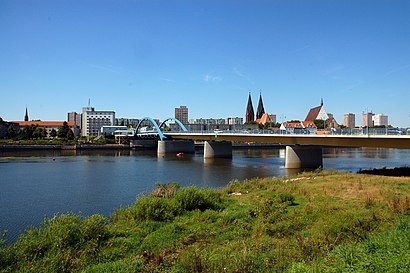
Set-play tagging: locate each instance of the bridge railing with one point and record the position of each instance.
(364, 131)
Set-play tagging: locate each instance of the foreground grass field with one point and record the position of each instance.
(314, 222)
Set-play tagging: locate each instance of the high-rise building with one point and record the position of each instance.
(92, 121)
(261, 110)
(74, 117)
(349, 120)
(380, 120)
(250, 114)
(181, 114)
(367, 119)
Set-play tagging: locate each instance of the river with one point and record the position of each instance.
(41, 184)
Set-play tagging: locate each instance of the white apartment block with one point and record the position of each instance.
(380, 120)
(92, 121)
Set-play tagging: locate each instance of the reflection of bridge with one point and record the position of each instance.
(305, 151)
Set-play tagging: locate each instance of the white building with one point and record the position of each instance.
(380, 120)
(92, 121)
(110, 130)
(234, 121)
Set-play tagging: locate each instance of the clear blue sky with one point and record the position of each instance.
(144, 58)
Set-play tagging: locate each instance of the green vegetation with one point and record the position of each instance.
(315, 222)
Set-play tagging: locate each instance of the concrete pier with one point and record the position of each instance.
(214, 149)
(175, 147)
(299, 157)
(144, 144)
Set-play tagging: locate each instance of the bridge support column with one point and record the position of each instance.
(175, 147)
(299, 157)
(215, 149)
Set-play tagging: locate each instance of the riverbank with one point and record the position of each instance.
(312, 222)
(400, 171)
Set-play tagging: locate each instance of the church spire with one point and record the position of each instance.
(250, 115)
(321, 102)
(261, 109)
(26, 116)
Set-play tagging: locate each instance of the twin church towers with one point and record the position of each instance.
(250, 114)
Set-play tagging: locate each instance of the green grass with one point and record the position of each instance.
(315, 222)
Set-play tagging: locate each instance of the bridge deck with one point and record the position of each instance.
(376, 141)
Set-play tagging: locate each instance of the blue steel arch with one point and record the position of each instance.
(182, 126)
(160, 133)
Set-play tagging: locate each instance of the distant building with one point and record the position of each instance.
(50, 125)
(127, 122)
(234, 121)
(74, 117)
(299, 127)
(209, 121)
(367, 119)
(110, 130)
(319, 113)
(380, 120)
(349, 120)
(181, 114)
(250, 114)
(265, 118)
(272, 118)
(92, 121)
(261, 110)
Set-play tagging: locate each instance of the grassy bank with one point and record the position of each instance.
(315, 222)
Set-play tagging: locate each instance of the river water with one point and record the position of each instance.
(39, 184)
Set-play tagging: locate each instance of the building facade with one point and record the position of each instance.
(349, 120)
(93, 120)
(234, 121)
(380, 120)
(74, 117)
(367, 119)
(181, 114)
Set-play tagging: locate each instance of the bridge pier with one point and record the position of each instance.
(217, 149)
(144, 144)
(300, 157)
(175, 147)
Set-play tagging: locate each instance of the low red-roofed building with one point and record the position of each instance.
(50, 125)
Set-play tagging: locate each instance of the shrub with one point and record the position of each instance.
(192, 198)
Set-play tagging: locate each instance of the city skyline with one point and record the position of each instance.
(143, 58)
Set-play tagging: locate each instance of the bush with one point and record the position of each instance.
(192, 198)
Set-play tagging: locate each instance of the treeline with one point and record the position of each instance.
(12, 131)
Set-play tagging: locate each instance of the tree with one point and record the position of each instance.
(53, 133)
(70, 134)
(11, 132)
(39, 132)
(63, 130)
(320, 123)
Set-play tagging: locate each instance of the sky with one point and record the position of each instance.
(146, 57)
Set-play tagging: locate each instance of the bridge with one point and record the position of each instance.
(303, 150)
